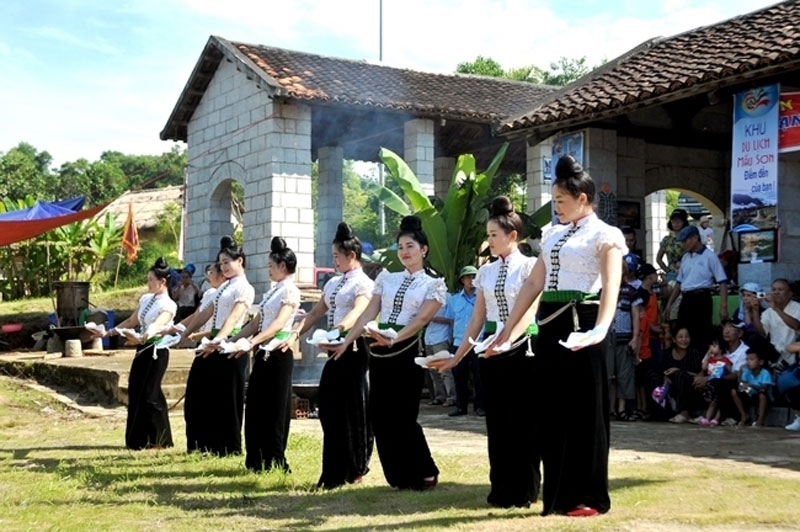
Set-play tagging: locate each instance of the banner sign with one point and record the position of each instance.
(789, 122)
(754, 159)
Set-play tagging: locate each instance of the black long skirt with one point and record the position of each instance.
(268, 411)
(573, 412)
(214, 404)
(394, 396)
(148, 416)
(347, 433)
(511, 427)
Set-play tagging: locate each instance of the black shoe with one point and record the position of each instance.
(457, 412)
(480, 412)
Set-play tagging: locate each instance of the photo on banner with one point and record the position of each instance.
(754, 159)
(570, 144)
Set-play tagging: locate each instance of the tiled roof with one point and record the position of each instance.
(756, 44)
(328, 80)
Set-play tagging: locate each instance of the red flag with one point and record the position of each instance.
(130, 237)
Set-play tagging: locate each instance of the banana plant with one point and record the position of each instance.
(456, 228)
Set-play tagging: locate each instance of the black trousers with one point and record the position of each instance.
(574, 414)
(512, 427)
(461, 374)
(268, 411)
(694, 313)
(347, 434)
(148, 416)
(214, 404)
(394, 396)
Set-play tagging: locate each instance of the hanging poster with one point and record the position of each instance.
(570, 144)
(754, 159)
(789, 125)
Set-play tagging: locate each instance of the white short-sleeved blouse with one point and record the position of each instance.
(421, 288)
(575, 263)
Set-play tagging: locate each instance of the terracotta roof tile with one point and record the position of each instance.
(710, 54)
(307, 76)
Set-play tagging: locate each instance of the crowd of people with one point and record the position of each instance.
(681, 367)
(636, 345)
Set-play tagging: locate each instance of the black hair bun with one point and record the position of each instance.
(278, 244)
(411, 223)
(226, 242)
(161, 264)
(343, 232)
(501, 206)
(568, 167)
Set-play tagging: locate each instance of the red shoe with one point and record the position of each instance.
(429, 483)
(583, 511)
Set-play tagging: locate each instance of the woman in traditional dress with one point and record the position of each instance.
(578, 276)
(148, 416)
(406, 302)
(215, 387)
(506, 377)
(347, 434)
(269, 390)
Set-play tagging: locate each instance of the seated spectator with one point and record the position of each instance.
(751, 300)
(735, 350)
(682, 364)
(755, 385)
(788, 382)
(779, 322)
(715, 366)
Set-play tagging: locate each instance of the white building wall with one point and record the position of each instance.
(238, 133)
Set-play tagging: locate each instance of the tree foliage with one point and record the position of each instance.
(25, 171)
(561, 72)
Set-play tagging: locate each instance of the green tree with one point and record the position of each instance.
(561, 72)
(565, 71)
(25, 171)
(482, 66)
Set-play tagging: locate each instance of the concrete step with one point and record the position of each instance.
(173, 393)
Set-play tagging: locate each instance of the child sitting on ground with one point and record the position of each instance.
(715, 366)
(755, 381)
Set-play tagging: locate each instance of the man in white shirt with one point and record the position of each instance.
(780, 321)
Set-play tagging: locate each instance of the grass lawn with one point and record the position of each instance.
(61, 469)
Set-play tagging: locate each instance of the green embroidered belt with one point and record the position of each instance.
(567, 296)
(491, 328)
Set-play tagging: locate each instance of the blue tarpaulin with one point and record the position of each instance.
(27, 223)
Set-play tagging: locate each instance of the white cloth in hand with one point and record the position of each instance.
(95, 328)
(372, 327)
(321, 336)
(168, 341)
(439, 355)
(580, 340)
(480, 347)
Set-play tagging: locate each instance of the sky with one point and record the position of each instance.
(80, 77)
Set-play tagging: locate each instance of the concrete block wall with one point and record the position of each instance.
(418, 151)
(239, 133)
(330, 198)
(538, 190)
(443, 175)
